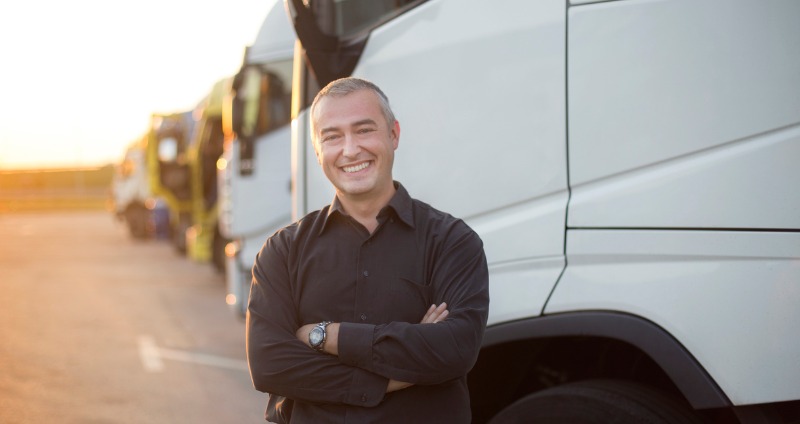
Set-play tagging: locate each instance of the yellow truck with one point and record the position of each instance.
(166, 144)
(184, 149)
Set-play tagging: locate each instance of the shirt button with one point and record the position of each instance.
(363, 317)
(363, 398)
(366, 273)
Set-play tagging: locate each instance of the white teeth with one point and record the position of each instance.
(355, 168)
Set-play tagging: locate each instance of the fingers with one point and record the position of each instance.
(435, 314)
(427, 318)
(442, 316)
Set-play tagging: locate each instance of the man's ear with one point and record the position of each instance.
(395, 134)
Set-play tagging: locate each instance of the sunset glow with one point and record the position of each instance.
(80, 79)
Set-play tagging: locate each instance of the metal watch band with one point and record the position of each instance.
(323, 327)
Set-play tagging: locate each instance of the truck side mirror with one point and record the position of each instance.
(237, 103)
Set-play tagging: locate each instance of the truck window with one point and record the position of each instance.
(334, 32)
(345, 18)
(265, 95)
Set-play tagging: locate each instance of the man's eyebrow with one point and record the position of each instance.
(367, 121)
(328, 129)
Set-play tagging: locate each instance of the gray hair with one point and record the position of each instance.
(344, 86)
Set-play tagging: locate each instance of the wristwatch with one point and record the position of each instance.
(317, 336)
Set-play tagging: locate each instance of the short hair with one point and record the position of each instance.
(344, 86)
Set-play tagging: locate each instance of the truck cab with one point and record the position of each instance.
(130, 190)
(185, 148)
(254, 175)
(168, 168)
(630, 167)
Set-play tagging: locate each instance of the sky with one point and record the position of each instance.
(79, 79)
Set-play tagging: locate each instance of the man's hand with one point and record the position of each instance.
(435, 314)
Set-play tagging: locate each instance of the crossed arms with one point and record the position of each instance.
(362, 361)
(432, 316)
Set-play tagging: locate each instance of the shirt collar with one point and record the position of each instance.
(400, 203)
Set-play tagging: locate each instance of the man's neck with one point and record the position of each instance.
(365, 210)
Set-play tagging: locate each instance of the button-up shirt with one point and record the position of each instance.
(328, 267)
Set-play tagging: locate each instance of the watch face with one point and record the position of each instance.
(315, 337)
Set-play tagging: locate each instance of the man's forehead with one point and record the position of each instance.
(363, 96)
(348, 110)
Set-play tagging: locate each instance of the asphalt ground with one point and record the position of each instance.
(96, 327)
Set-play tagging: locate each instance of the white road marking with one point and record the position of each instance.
(152, 357)
(148, 352)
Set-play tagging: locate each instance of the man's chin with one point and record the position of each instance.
(354, 190)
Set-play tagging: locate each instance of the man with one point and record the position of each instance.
(371, 310)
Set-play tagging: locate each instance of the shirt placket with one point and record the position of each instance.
(366, 296)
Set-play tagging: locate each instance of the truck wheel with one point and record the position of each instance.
(218, 251)
(136, 218)
(179, 236)
(597, 402)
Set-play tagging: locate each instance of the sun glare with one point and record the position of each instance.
(80, 83)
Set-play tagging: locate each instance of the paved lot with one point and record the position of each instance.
(98, 328)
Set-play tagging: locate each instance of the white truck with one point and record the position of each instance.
(254, 174)
(130, 190)
(632, 168)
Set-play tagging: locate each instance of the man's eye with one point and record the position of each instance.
(329, 138)
(365, 130)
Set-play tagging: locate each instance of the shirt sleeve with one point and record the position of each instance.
(281, 364)
(427, 354)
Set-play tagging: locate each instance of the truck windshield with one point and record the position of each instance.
(343, 19)
(334, 32)
(347, 18)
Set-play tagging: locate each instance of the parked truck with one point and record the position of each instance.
(187, 177)
(167, 143)
(255, 175)
(631, 167)
(130, 191)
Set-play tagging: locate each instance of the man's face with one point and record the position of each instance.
(355, 145)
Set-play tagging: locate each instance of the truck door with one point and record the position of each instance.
(479, 90)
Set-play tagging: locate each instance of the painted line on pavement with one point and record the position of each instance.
(148, 352)
(152, 356)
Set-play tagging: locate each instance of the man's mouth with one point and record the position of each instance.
(356, 168)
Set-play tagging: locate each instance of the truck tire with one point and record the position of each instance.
(218, 251)
(179, 235)
(136, 218)
(597, 402)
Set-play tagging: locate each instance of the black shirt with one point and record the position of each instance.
(328, 267)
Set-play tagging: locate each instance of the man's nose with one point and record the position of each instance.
(351, 146)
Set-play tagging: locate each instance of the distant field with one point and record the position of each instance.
(55, 189)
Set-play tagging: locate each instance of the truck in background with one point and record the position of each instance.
(254, 172)
(188, 146)
(204, 241)
(133, 202)
(631, 168)
(167, 142)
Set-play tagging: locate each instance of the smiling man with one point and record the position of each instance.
(371, 310)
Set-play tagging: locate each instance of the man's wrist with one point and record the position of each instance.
(318, 336)
(332, 343)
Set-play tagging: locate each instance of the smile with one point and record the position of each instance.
(355, 168)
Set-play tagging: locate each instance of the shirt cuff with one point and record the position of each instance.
(355, 344)
(367, 390)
